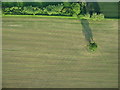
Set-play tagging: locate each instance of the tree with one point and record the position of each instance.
(93, 46)
(76, 8)
(53, 9)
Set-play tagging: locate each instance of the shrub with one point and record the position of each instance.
(92, 46)
(12, 10)
(31, 10)
(81, 16)
(76, 8)
(75, 15)
(96, 16)
(67, 11)
(87, 16)
(101, 16)
(37, 10)
(16, 10)
(72, 9)
(53, 9)
(6, 11)
(58, 8)
(27, 10)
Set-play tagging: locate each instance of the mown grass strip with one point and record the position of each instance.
(68, 17)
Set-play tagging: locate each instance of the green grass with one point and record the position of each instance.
(41, 52)
(46, 16)
(41, 16)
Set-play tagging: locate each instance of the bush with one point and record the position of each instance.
(59, 8)
(28, 10)
(96, 16)
(37, 10)
(87, 16)
(53, 9)
(76, 8)
(16, 10)
(12, 10)
(72, 9)
(6, 11)
(75, 15)
(67, 11)
(31, 10)
(92, 46)
(101, 16)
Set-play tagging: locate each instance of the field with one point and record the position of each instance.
(41, 52)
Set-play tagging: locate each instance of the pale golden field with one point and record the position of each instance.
(40, 52)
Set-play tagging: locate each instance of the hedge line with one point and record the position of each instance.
(50, 8)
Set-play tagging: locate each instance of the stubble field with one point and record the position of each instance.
(41, 52)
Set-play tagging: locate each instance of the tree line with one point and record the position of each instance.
(49, 8)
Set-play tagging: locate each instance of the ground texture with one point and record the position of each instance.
(51, 53)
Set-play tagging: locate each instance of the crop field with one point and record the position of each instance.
(44, 52)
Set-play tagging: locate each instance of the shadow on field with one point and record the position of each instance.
(92, 7)
(86, 30)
